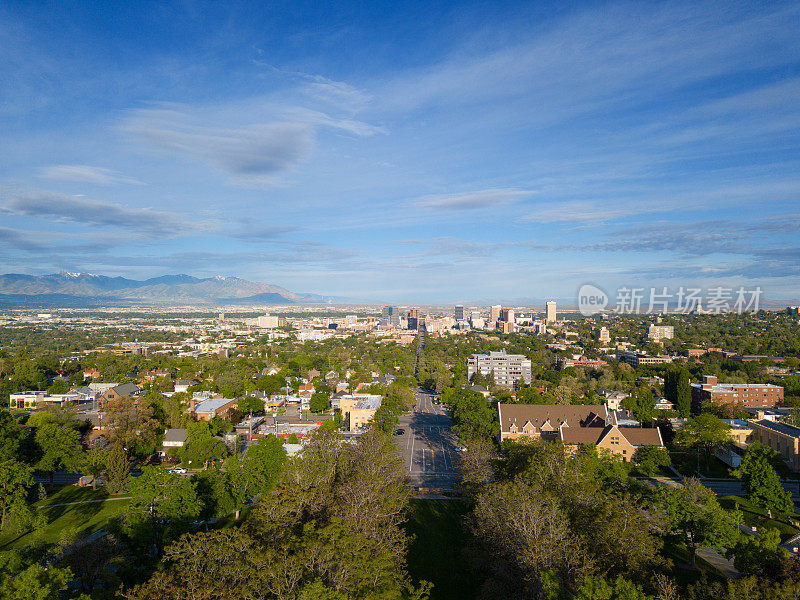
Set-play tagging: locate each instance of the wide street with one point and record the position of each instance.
(428, 445)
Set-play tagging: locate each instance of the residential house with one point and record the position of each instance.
(183, 385)
(613, 398)
(173, 438)
(125, 389)
(91, 374)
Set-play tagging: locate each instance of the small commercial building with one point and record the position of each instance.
(213, 407)
(360, 408)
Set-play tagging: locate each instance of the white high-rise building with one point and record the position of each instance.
(267, 321)
(507, 368)
(661, 332)
(550, 312)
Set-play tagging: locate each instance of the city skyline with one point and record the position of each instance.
(405, 153)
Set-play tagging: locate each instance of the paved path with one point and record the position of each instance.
(719, 562)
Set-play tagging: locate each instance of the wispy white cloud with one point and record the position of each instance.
(86, 174)
(472, 200)
(263, 149)
(76, 209)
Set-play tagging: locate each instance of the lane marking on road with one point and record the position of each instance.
(444, 454)
(430, 446)
(411, 456)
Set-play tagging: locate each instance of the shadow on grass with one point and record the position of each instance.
(437, 552)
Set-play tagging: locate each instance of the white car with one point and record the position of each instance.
(461, 448)
(178, 471)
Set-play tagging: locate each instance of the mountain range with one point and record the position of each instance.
(73, 290)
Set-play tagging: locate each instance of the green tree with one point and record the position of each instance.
(59, 386)
(162, 505)
(320, 401)
(250, 404)
(10, 436)
(678, 390)
(705, 433)
(220, 492)
(94, 464)
(118, 471)
(597, 588)
(695, 517)
(131, 423)
(648, 459)
(37, 583)
(761, 482)
(472, 416)
(59, 447)
(257, 470)
(683, 393)
(202, 446)
(15, 479)
(759, 555)
(642, 404)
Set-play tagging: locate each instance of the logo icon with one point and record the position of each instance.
(591, 300)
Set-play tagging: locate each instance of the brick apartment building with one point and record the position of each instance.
(741, 394)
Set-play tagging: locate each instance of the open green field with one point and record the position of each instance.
(73, 519)
(755, 517)
(437, 553)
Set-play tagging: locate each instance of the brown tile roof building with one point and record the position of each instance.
(534, 420)
(574, 426)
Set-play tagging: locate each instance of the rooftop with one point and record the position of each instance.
(208, 406)
(369, 403)
(783, 428)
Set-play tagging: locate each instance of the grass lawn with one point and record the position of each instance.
(755, 517)
(436, 554)
(81, 519)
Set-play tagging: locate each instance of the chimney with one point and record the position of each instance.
(191, 405)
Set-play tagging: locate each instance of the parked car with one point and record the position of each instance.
(400, 432)
(461, 448)
(178, 471)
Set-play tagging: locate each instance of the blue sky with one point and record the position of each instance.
(406, 152)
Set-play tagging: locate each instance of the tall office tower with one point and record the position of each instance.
(507, 315)
(414, 313)
(459, 313)
(550, 313)
(495, 313)
(390, 315)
